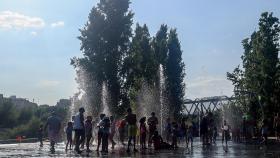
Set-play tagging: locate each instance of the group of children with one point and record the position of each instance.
(106, 131)
(107, 126)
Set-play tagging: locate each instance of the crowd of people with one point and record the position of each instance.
(145, 132)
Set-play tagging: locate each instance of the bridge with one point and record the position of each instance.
(201, 105)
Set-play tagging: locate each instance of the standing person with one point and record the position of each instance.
(53, 125)
(100, 126)
(215, 134)
(152, 122)
(264, 132)
(69, 131)
(175, 132)
(204, 130)
(168, 130)
(88, 131)
(183, 130)
(132, 129)
(225, 134)
(105, 134)
(79, 128)
(122, 131)
(113, 131)
(189, 136)
(143, 132)
(276, 125)
(40, 135)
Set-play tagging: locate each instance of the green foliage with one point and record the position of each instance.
(8, 115)
(160, 45)
(17, 121)
(257, 84)
(104, 43)
(112, 55)
(175, 74)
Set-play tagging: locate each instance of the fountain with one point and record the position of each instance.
(105, 100)
(95, 98)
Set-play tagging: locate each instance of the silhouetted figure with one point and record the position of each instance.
(112, 131)
(88, 131)
(175, 133)
(40, 135)
(204, 130)
(152, 122)
(121, 129)
(189, 137)
(264, 132)
(105, 134)
(225, 134)
(69, 131)
(53, 126)
(215, 134)
(168, 130)
(132, 129)
(143, 132)
(100, 126)
(79, 129)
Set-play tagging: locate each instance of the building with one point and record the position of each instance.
(18, 102)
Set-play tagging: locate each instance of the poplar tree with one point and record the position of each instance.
(175, 73)
(104, 43)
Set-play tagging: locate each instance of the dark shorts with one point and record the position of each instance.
(69, 136)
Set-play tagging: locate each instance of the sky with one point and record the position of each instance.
(39, 37)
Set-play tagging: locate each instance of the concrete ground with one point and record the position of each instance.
(197, 151)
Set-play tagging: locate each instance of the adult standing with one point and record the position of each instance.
(79, 129)
(53, 126)
(225, 134)
(204, 130)
(132, 129)
(152, 122)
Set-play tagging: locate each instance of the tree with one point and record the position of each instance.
(258, 81)
(160, 45)
(104, 43)
(175, 74)
(139, 65)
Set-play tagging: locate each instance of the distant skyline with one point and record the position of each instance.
(38, 38)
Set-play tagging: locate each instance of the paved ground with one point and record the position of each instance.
(233, 150)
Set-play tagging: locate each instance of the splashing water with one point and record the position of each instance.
(105, 100)
(162, 99)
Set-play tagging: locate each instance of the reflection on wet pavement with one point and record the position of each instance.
(197, 151)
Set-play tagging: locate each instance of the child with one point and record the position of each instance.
(113, 131)
(215, 134)
(88, 131)
(264, 131)
(225, 135)
(168, 130)
(174, 135)
(69, 131)
(143, 132)
(189, 137)
(40, 135)
(105, 134)
(121, 129)
(158, 142)
(100, 130)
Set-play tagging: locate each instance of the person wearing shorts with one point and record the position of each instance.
(132, 129)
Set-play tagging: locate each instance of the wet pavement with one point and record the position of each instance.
(197, 151)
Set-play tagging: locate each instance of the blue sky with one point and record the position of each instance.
(38, 38)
